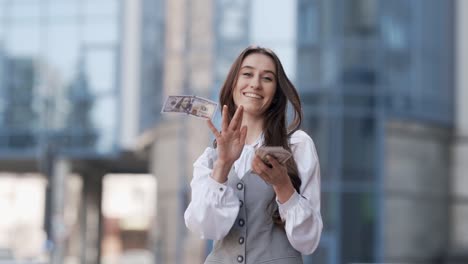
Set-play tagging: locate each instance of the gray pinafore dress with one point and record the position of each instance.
(254, 238)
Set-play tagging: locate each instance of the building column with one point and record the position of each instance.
(459, 182)
(415, 198)
(188, 69)
(91, 218)
(60, 172)
(166, 164)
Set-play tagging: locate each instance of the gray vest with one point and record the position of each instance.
(254, 238)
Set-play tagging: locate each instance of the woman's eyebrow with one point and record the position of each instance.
(252, 68)
(272, 72)
(247, 66)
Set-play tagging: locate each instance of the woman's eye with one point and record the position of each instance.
(247, 74)
(268, 79)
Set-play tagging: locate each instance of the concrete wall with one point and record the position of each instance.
(417, 172)
(179, 140)
(167, 168)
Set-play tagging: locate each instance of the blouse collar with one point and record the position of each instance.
(260, 140)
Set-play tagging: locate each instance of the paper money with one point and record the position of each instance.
(279, 153)
(191, 105)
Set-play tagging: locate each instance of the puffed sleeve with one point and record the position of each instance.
(301, 213)
(214, 206)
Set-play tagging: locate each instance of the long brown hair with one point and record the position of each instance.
(276, 131)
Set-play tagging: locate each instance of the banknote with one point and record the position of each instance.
(279, 153)
(191, 105)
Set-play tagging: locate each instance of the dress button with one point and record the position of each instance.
(241, 203)
(240, 259)
(241, 240)
(241, 222)
(221, 189)
(240, 186)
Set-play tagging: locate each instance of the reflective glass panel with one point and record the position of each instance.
(102, 31)
(3, 12)
(320, 255)
(19, 116)
(100, 69)
(22, 40)
(308, 27)
(63, 51)
(318, 128)
(358, 227)
(309, 68)
(359, 145)
(23, 11)
(80, 129)
(2, 32)
(104, 117)
(59, 9)
(329, 210)
(101, 8)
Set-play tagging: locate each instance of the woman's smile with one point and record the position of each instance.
(253, 95)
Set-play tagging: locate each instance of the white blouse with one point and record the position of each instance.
(214, 206)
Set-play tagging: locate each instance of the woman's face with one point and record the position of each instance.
(256, 84)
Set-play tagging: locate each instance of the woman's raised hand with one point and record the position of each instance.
(231, 139)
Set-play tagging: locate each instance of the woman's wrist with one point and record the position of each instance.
(284, 192)
(221, 171)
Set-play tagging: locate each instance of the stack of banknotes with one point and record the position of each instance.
(279, 153)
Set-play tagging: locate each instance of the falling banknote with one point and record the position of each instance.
(191, 105)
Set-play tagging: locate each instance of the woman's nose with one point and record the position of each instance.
(255, 83)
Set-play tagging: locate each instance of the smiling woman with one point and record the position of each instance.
(257, 212)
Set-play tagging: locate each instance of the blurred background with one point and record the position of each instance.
(91, 172)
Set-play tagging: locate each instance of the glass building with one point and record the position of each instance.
(62, 75)
(361, 65)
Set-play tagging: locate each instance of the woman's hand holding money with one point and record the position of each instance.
(275, 175)
(230, 143)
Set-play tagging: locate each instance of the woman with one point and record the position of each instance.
(255, 212)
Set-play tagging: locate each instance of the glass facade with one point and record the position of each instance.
(232, 35)
(60, 74)
(58, 66)
(417, 57)
(361, 63)
(152, 59)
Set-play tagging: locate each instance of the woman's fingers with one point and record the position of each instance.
(273, 174)
(213, 128)
(261, 172)
(235, 123)
(260, 166)
(228, 127)
(256, 169)
(237, 118)
(273, 161)
(224, 118)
